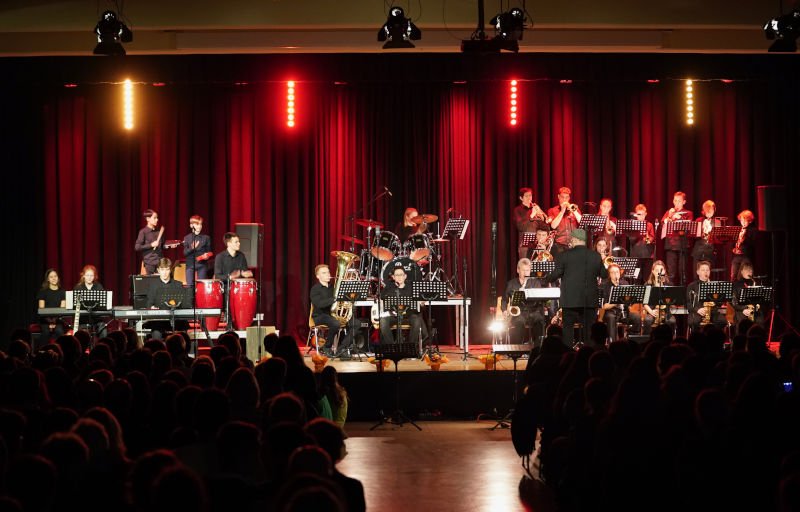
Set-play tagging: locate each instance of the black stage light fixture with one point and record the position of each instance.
(110, 33)
(398, 31)
(784, 30)
(508, 26)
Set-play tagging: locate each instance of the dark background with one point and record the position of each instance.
(433, 128)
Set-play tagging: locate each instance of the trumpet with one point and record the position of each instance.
(608, 260)
(573, 207)
(537, 213)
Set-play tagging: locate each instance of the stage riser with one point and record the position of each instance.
(454, 394)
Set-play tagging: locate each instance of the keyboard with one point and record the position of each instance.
(70, 312)
(165, 313)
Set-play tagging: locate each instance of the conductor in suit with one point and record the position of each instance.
(579, 269)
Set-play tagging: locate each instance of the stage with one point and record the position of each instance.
(460, 389)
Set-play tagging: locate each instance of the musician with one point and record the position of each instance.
(675, 245)
(612, 314)
(657, 278)
(408, 227)
(50, 295)
(399, 287)
(602, 248)
(745, 244)
(703, 249)
(196, 245)
(578, 268)
(519, 325)
(745, 280)
(162, 290)
(528, 217)
(150, 242)
(564, 218)
(322, 298)
(231, 263)
(697, 311)
(543, 244)
(609, 231)
(88, 279)
(642, 246)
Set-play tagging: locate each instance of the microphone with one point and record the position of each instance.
(632, 213)
(386, 189)
(494, 228)
(759, 277)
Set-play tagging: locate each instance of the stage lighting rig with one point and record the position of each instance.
(110, 33)
(508, 25)
(399, 31)
(784, 31)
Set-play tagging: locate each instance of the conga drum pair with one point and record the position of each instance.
(243, 302)
(208, 294)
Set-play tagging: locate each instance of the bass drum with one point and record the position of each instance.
(410, 266)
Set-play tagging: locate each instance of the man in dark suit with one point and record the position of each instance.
(578, 268)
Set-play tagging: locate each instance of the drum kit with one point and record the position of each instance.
(381, 251)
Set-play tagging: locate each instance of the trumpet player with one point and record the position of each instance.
(700, 312)
(564, 218)
(528, 217)
(642, 246)
(703, 249)
(745, 244)
(609, 231)
(656, 315)
(675, 244)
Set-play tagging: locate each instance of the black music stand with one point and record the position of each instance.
(592, 224)
(755, 295)
(429, 291)
(171, 300)
(540, 269)
(715, 291)
(352, 291)
(626, 295)
(90, 301)
(682, 229)
(631, 227)
(527, 239)
(456, 229)
(514, 352)
(632, 267)
(722, 235)
(666, 296)
(399, 304)
(395, 352)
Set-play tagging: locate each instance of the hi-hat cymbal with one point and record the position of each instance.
(369, 223)
(425, 218)
(439, 240)
(356, 241)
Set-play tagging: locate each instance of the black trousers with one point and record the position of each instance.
(583, 316)
(389, 331)
(333, 326)
(676, 266)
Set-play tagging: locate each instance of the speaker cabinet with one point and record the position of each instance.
(250, 235)
(772, 214)
(140, 285)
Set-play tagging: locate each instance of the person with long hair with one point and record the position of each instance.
(408, 227)
(51, 295)
(89, 279)
(337, 396)
(658, 277)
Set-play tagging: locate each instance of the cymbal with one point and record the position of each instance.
(439, 240)
(369, 223)
(356, 241)
(425, 218)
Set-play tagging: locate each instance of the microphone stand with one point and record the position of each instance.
(464, 313)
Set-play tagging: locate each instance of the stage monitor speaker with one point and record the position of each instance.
(254, 340)
(772, 215)
(140, 285)
(250, 234)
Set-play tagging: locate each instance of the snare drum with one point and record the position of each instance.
(417, 246)
(243, 302)
(208, 294)
(387, 245)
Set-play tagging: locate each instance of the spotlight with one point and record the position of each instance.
(784, 31)
(110, 32)
(398, 31)
(497, 326)
(508, 28)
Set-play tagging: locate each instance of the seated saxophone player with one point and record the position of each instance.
(400, 287)
(657, 315)
(322, 298)
(743, 310)
(528, 217)
(614, 314)
(521, 319)
(702, 313)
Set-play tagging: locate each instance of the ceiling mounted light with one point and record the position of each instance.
(110, 33)
(784, 31)
(508, 28)
(398, 31)
(509, 25)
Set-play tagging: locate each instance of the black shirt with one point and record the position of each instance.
(392, 290)
(154, 294)
(203, 247)
(225, 264)
(82, 287)
(322, 298)
(146, 237)
(511, 287)
(51, 298)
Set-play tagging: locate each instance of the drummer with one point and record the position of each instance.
(408, 227)
(231, 263)
(197, 250)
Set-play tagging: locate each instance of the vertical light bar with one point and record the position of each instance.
(689, 103)
(290, 104)
(127, 104)
(513, 117)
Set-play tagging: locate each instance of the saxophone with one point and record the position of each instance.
(707, 317)
(342, 311)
